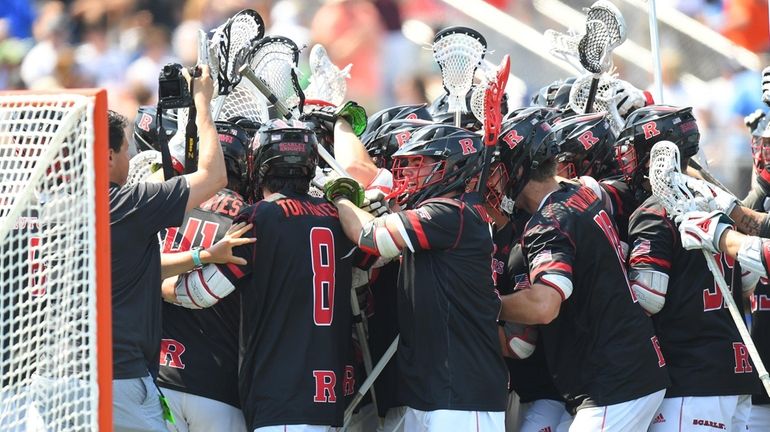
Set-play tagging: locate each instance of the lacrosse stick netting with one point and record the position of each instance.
(244, 101)
(605, 31)
(607, 87)
(274, 61)
(229, 47)
(327, 81)
(142, 166)
(564, 46)
(493, 117)
(670, 186)
(458, 52)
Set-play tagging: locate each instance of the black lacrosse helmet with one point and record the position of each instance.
(522, 146)
(585, 146)
(456, 155)
(647, 126)
(281, 148)
(388, 138)
(400, 112)
(146, 128)
(439, 110)
(235, 142)
(554, 95)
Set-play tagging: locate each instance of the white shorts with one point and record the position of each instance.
(759, 420)
(194, 413)
(512, 412)
(701, 413)
(452, 420)
(629, 416)
(296, 428)
(393, 421)
(542, 415)
(365, 420)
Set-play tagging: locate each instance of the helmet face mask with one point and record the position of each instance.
(647, 126)
(437, 160)
(498, 178)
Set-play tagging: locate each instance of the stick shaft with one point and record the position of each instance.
(655, 44)
(361, 333)
(738, 319)
(246, 71)
(369, 381)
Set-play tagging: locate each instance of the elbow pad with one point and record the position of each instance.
(375, 239)
(650, 288)
(202, 288)
(750, 256)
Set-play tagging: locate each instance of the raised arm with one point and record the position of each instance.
(211, 175)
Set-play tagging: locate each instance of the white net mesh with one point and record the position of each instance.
(603, 101)
(229, 44)
(564, 46)
(143, 165)
(458, 55)
(605, 31)
(327, 81)
(47, 264)
(244, 101)
(677, 192)
(477, 100)
(275, 63)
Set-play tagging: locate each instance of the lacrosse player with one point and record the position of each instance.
(295, 345)
(600, 347)
(712, 376)
(541, 405)
(199, 348)
(451, 372)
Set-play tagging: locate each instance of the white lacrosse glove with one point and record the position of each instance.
(521, 338)
(627, 98)
(701, 230)
(375, 203)
(720, 199)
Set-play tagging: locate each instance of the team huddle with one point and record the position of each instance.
(527, 257)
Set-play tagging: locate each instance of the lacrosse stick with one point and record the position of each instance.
(143, 165)
(369, 381)
(458, 52)
(564, 46)
(230, 47)
(492, 118)
(605, 31)
(674, 192)
(599, 91)
(274, 62)
(327, 81)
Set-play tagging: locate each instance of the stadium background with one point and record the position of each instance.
(712, 51)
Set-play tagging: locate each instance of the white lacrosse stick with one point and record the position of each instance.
(327, 81)
(274, 62)
(143, 165)
(605, 87)
(458, 52)
(564, 46)
(671, 187)
(605, 31)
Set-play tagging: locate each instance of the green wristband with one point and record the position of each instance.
(196, 256)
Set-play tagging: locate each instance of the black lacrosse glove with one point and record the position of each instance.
(321, 121)
(324, 118)
(344, 187)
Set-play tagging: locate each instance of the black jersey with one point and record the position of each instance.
(623, 204)
(757, 199)
(601, 348)
(295, 348)
(698, 337)
(530, 377)
(449, 352)
(199, 348)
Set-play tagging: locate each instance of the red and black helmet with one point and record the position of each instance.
(146, 127)
(389, 137)
(235, 142)
(585, 146)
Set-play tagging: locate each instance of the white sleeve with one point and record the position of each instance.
(382, 181)
(202, 288)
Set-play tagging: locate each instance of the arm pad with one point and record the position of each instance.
(750, 255)
(202, 288)
(650, 287)
(375, 239)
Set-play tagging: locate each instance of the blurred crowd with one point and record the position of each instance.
(122, 44)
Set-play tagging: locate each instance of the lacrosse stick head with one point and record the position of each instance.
(585, 146)
(327, 81)
(605, 31)
(143, 165)
(647, 126)
(564, 46)
(458, 52)
(438, 159)
(246, 101)
(603, 100)
(522, 148)
(670, 186)
(274, 60)
(494, 95)
(230, 45)
(146, 129)
(382, 142)
(554, 95)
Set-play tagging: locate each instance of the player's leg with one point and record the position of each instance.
(695, 413)
(136, 406)
(445, 420)
(176, 401)
(203, 414)
(513, 412)
(742, 413)
(629, 416)
(541, 415)
(759, 419)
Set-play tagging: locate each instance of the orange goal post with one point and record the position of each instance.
(55, 302)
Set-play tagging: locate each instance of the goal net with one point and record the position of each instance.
(55, 350)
